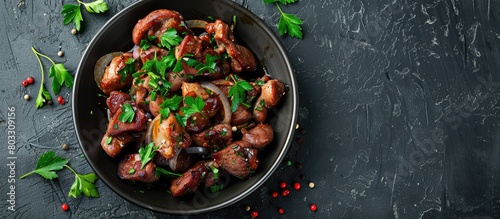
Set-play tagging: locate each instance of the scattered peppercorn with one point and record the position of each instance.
(65, 146)
(60, 53)
(50, 102)
(30, 80)
(302, 177)
(300, 140)
(60, 100)
(297, 126)
(281, 210)
(254, 214)
(282, 184)
(64, 207)
(296, 186)
(311, 185)
(285, 192)
(274, 194)
(25, 83)
(313, 207)
(74, 31)
(27, 97)
(247, 208)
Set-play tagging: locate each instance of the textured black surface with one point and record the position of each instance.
(398, 116)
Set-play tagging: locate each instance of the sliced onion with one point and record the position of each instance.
(101, 64)
(196, 150)
(196, 24)
(152, 126)
(225, 102)
(135, 51)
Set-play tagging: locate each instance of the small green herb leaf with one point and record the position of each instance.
(47, 163)
(169, 105)
(170, 39)
(160, 171)
(97, 6)
(85, 184)
(284, 2)
(109, 139)
(215, 171)
(73, 14)
(146, 153)
(127, 114)
(129, 69)
(144, 45)
(193, 105)
(290, 24)
(43, 95)
(237, 93)
(60, 76)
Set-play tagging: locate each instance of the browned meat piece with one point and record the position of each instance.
(130, 169)
(260, 110)
(195, 46)
(115, 101)
(189, 88)
(190, 45)
(259, 136)
(212, 105)
(214, 138)
(238, 159)
(181, 162)
(177, 78)
(149, 54)
(154, 105)
(156, 23)
(254, 93)
(116, 127)
(197, 122)
(210, 178)
(272, 92)
(114, 145)
(111, 79)
(189, 181)
(242, 58)
(140, 97)
(169, 135)
(241, 115)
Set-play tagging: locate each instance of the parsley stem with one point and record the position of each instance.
(41, 68)
(27, 174)
(42, 55)
(72, 170)
(279, 8)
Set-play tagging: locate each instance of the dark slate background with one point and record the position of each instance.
(399, 112)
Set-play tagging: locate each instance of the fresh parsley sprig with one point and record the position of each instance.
(170, 39)
(60, 76)
(160, 171)
(288, 23)
(147, 153)
(127, 115)
(73, 14)
(192, 106)
(129, 69)
(83, 183)
(168, 105)
(48, 163)
(237, 93)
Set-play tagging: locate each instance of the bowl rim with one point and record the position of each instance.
(293, 90)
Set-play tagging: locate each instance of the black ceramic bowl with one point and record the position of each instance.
(90, 116)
